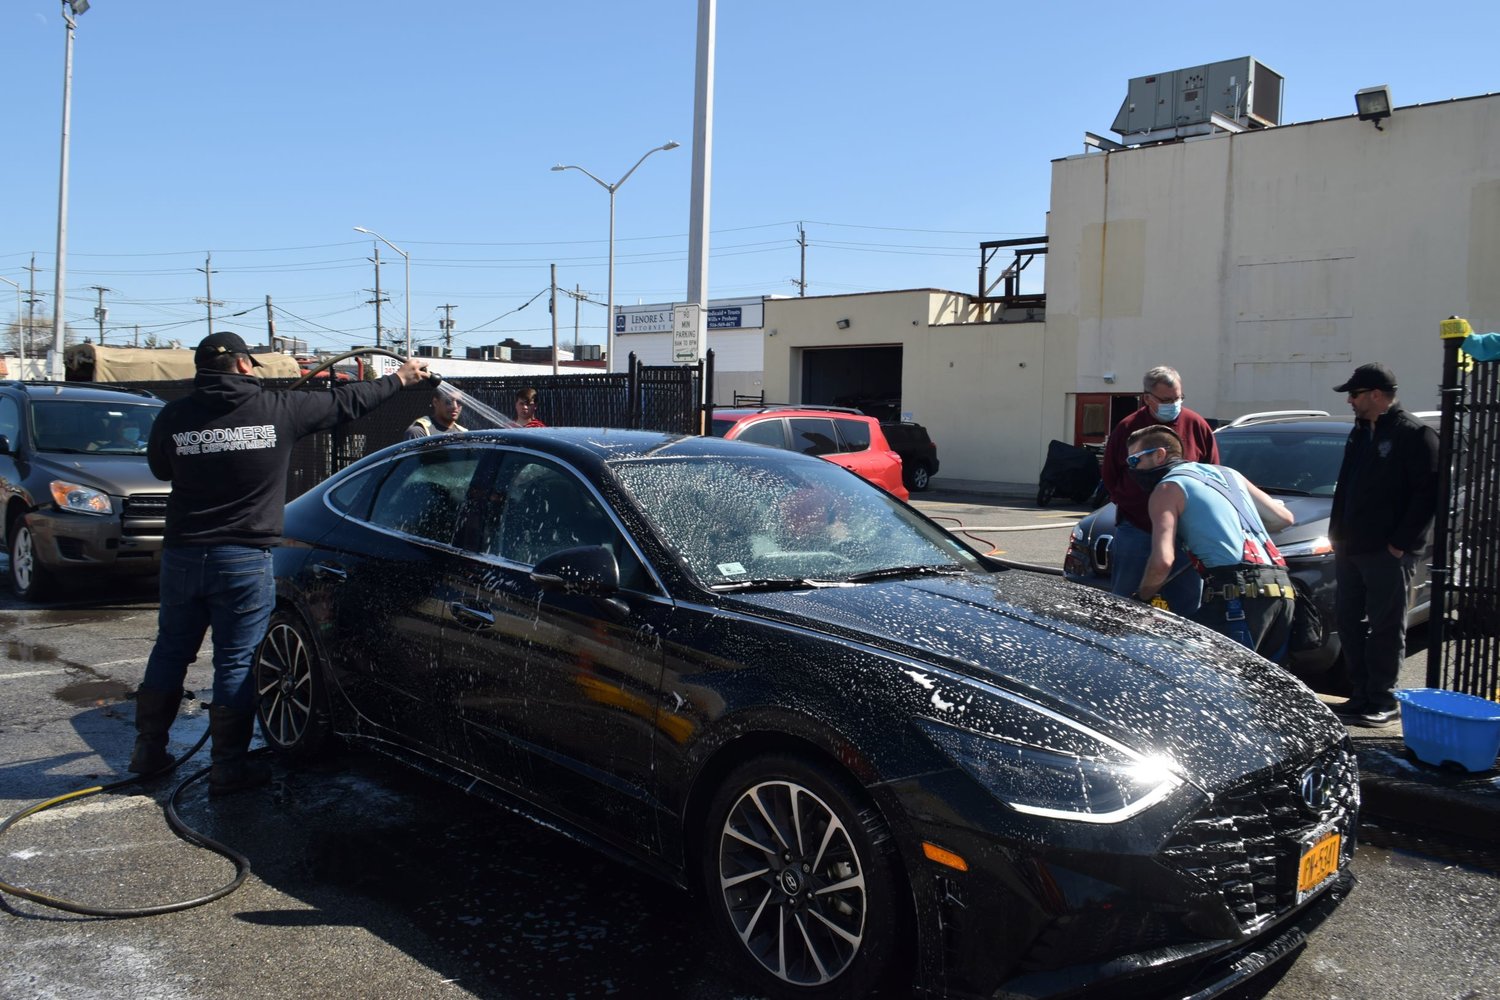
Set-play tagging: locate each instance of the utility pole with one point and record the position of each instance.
(31, 302)
(379, 298)
(577, 305)
(208, 278)
(552, 308)
(802, 242)
(447, 324)
(138, 335)
(270, 323)
(100, 313)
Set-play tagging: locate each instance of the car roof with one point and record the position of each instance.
(1329, 425)
(741, 412)
(84, 391)
(601, 444)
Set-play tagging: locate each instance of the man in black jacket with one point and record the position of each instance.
(1382, 511)
(226, 449)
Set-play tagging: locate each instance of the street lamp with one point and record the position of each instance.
(20, 331)
(609, 342)
(403, 253)
(75, 7)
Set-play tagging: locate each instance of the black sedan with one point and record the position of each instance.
(885, 761)
(1295, 458)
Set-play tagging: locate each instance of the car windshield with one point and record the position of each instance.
(87, 426)
(742, 522)
(1285, 461)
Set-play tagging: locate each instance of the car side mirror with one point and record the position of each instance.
(589, 570)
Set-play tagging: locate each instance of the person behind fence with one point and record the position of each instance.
(226, 449)
(1383, 508)
(526, 409)
(1219, 520)
(1161, 406)
(442, 420)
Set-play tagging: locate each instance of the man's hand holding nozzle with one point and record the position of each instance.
(413, 372)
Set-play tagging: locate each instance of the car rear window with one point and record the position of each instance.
(854, 434)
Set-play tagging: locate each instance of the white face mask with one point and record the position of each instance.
(131, 434)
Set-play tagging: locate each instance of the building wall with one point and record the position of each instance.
(1265, 265)
(977, 387)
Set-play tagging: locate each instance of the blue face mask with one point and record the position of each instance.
(1168, 412)
(131, 434)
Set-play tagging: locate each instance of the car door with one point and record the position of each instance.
(559, 693)
(382, 573)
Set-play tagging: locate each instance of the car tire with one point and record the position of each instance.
(1044, 495)
(801, 877)
(918, 478)
(28, 578)
(292, 700)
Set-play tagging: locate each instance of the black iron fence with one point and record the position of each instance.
(645, 397)
(1464, 649)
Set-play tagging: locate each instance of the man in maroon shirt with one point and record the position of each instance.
(1161, 403)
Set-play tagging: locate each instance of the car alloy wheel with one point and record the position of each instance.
(920, 478)
(800, 882)
(27, 578)
(289, 688)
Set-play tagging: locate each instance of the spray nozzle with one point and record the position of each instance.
(434, 379)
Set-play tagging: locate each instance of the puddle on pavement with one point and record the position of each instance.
(20, 652)
(92, 693)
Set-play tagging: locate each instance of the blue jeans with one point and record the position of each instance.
(1129, 552)
(230, 588)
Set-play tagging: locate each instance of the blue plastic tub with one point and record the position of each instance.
(1441, 726)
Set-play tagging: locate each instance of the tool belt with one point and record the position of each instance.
(1229, 585)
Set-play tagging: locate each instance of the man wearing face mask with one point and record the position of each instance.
(1161, 406)
(1218, 519)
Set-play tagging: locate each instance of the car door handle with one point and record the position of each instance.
(329, 570)
(475, 617)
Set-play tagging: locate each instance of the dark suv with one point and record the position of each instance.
(919, 461)
(78, 496)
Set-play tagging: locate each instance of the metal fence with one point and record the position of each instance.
(1464, 649)
(645, 397)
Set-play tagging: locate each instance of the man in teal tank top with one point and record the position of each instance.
(1220, 520)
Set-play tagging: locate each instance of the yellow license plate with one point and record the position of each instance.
(1318, 862)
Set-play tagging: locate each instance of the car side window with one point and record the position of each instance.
(546, 509)
(814, 436)
(764, 432)
(10, 422)
(854, 435)
(423, 493)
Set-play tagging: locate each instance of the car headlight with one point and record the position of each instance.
(1319, 546)
(1044, 764)
(79, 499)
(1078, 534)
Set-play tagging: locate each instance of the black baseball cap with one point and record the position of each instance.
(215, 344)
(1371, 376)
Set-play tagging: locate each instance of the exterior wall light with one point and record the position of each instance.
(1373, 103)
(842, 324)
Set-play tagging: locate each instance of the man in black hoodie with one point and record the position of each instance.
(226, 449)
(1383, 507)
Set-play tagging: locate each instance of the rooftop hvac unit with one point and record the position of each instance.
(589, 352)
(1234, 95)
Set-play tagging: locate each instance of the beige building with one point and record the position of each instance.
(1263, 265)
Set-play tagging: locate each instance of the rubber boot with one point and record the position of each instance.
(154, 713)
(233, 770)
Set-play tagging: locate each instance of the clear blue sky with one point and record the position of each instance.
(901, 134)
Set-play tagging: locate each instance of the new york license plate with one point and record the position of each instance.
(1320, 860)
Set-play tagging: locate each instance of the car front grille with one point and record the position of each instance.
(1246, 843)
(145, 514)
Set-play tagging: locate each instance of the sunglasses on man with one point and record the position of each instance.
(1135, 460)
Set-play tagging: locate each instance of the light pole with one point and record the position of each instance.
(20, 332)
(403, 253)
(73, 7)
(609, 337)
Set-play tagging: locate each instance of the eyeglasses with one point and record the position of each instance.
(1135, 460)
(1356, 393)
(1164, 402)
